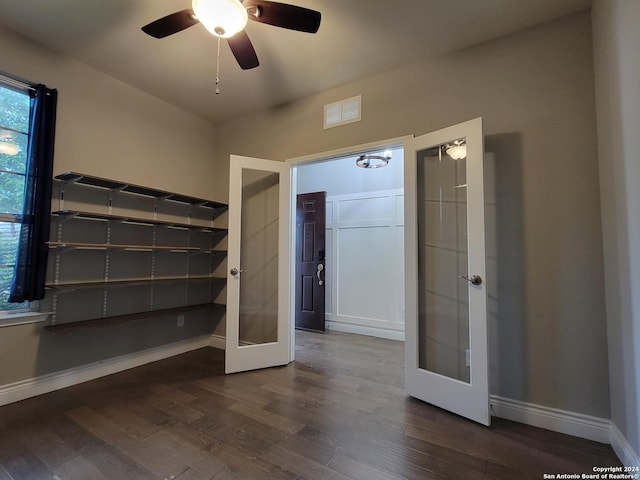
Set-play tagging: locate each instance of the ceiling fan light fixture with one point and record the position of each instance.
(223, 18)
(457, 150)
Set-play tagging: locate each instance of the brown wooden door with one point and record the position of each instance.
(310, 260)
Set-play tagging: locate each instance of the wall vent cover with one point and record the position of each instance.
(343, 112)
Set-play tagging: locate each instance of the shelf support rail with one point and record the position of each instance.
(153, 260)
(56, 272)
(107, 258)
(188, 265)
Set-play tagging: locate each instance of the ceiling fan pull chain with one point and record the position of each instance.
(218, 70)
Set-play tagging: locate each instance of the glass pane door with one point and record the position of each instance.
(446, 358)
(258, 262)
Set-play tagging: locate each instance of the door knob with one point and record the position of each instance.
(318, 272)
(234, 271)
(473, 280)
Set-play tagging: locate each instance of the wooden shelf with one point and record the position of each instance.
(170, 227)
(135, 220)
(132, 282)
(212, 251)
(93, 181)
(133, 248)
(71, 327)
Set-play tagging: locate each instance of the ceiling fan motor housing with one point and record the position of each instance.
(223, 18)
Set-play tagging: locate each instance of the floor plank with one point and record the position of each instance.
(338, 412)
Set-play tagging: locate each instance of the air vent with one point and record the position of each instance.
(342, 112)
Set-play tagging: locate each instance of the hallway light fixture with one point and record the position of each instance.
(373, 160)
(223, 18)
(457, 149)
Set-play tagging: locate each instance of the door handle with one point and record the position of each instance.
(318, 272)
(234, 271)
(473, 280)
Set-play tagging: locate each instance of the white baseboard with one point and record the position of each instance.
(370, 331)
(32, 387)
(621, 446)
(218, 341)
(563, 421)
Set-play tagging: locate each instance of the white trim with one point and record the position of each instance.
(218, 341)
(360, 330)
(32, 387)
(563, 421)
(348, 151)
(293, 201)
(22, 318)
(621, 447)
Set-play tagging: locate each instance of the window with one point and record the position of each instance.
(14, 135)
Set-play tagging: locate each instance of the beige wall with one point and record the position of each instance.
(616, 47)
(109, 129)
(535, 92)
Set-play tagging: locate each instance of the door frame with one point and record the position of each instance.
(321, 157)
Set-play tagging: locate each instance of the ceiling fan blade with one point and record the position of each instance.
(171, 24)
(284, 15)
(243, 50)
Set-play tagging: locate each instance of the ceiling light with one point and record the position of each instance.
(223, 18)
(374, 161)
(8, 148)
(456, 150)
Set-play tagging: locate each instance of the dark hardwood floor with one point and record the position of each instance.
(338, 412)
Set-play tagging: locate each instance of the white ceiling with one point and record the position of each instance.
(357, 38)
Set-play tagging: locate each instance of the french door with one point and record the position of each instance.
(258, 265)
(446, 358)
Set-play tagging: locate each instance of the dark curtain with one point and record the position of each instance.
(31, 265)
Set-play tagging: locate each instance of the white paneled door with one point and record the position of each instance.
(446, 358)
(258, 265)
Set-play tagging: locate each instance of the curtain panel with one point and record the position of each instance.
(31, 265)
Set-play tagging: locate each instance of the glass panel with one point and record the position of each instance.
(14, 110)
(11, 193)
(259, 258)
(443, 297)
(9, 233)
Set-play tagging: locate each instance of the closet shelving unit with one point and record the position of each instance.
(195, 216)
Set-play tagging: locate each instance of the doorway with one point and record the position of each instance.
(364, 273)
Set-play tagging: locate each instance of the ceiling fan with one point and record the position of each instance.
(227, 19)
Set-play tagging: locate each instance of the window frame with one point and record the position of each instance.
(30, 310)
